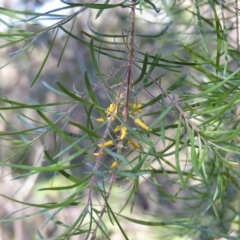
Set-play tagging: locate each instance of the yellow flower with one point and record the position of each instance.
(117, 129)
(100, 120)
(123, 133)
(96, 154)
(134, 144)
(136, 108)
(142, 124)
(111, 109)
(114, 165)
(106, 144)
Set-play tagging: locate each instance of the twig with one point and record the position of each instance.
(127, 78)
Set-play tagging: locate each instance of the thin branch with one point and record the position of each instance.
(127, 78)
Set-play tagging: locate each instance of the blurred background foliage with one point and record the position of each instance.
(197, 45)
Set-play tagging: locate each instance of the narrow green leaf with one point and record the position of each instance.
(92, 95)
(89, 116)
(214, 87)
(65, 174)
(156, 35)
(96, 5)
(177, 151)
(72, 95)
(65, 45)
(143, 72)
(94, 61)
(115, 218)
(54, 90)
(150, 3)
(177, 84)
(84, 129)
(51, 168)
(180, 224)
(162, 115)
(200, 25)
(117, 156)
(194, 156)
(101, 10)
(167, 9)
(46, 58)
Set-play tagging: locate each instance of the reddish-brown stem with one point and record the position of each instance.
(127, 79)
(130, 62)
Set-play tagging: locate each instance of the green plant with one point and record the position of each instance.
(172, 114)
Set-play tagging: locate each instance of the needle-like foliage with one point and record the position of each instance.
(151, 136)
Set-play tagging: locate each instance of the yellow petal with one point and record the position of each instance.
(106, 144)
(134, 144)
(96, 154)
(117, 129)
(100, 120)
(114, 165)
(111, 109)
(123, 133)
(142, 124)
(136, 108)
